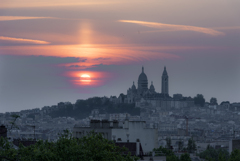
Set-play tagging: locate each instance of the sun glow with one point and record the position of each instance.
(88, 78)
(85, 79)
(85, 76)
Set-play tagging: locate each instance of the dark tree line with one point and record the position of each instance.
(83, 108)
(199, 100)
(90, 147)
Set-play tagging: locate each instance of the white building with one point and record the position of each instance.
(145, 97)
(126, 131)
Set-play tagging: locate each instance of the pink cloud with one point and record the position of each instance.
(24, 40)
(11, 18)
(172, 27)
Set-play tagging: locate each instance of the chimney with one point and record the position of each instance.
(105, 124)
(137, 147)
(115, 124)
(95, 123)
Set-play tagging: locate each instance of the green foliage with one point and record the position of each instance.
(6, 149)
(199, 100)
(185, 157)
(222, 157)
(235, 155)
(89, 148)
(213, 101)
(163, 151)
(172, 158)
(166, 152)
(191, 145)
(180, 145)
(83, 108)
(211, 154)
(214, 154)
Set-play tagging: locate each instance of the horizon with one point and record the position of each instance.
(56, 51)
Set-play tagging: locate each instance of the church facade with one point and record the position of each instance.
(143, 96)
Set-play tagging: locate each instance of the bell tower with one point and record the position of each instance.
(165, 82)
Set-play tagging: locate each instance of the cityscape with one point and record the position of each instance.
(119, 80)
(141, 113)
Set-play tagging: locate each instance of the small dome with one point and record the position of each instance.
(152, 89)
(133, 86)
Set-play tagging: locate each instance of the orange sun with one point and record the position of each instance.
(85, 78)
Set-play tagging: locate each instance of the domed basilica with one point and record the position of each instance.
(134, 94)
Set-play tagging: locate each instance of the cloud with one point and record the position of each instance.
(227, 28)
(101, 58)
(11, 18)
(52, 3)
(24, 40)
(172, 27)
(75, 66)
(123, 54)
(41, 60)
(55, 60)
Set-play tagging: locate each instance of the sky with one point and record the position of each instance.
(57, 51)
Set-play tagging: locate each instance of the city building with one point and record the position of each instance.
(146, 97)
(125, 131)
(234, 144)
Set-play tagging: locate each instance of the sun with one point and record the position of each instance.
(85, 76)
(85, 79)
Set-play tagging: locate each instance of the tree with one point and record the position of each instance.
(90, 147)
(199, 100)
(172, 158)
(213, 101)
(180, 145)
(191, 145)
(6, 148)
(235, 155)
(214, 154)
(163, 151)
(222, 157)
(185, 157)
(169, 142)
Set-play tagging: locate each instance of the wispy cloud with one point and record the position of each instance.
(171, 27)
(23, 40)
(227, 28)
(52, 3)
(11, 18)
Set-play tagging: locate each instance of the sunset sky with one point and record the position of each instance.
(47, 46)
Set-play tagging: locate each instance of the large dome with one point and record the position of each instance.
(142, 77)
(142, 82)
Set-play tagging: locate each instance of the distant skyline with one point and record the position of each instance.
(57, 51)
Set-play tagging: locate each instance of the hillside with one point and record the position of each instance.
(82, 108)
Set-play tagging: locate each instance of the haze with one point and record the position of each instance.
(45, 47)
